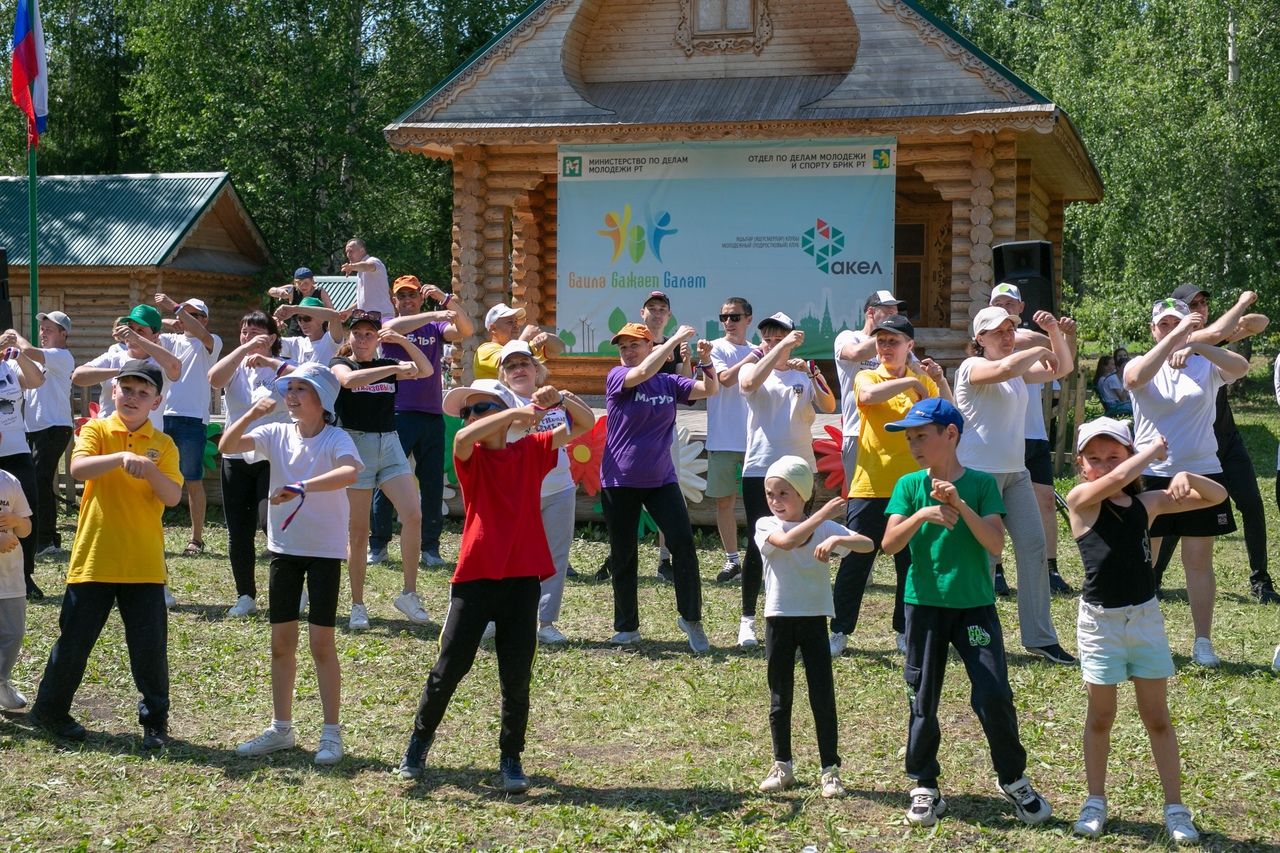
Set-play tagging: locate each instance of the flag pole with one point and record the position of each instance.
(33, 305)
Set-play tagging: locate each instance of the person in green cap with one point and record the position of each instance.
(320, 326)
(137, 335)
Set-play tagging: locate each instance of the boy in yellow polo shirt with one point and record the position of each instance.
(130, 472)
(884, 394)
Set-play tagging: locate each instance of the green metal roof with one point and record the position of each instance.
(106, 220)
(341, 289)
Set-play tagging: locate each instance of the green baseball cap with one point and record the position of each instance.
(310, 302)
(146, 315)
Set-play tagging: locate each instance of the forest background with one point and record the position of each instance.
(1176, 101)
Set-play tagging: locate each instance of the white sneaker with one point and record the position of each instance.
(359, 620)
(1275, 660)
(1177, 820)
(698, 641)
(625, 638)
(551, 636)
(329, 750)
(902, 644)
(1028, 805)
(1202, 653)
(243, 607)
(839, 642)
(1093, 817)
(169, 601)
(302, 603)
(927, 805)
(374, 556)
(747, 633)
(269, 741)
(410, 605)
(832, 787)
(780, 778)
(490, 631)
(10, 698)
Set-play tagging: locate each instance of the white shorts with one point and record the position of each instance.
(1116, 644)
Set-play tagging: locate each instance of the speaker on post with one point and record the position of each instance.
(6, 307)
(1029, 266)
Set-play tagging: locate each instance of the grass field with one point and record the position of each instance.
(644, 749)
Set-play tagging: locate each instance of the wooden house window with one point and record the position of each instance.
(717, 17)
(909, 255)
(723, 26)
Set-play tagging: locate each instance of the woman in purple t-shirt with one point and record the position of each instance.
(637, 471)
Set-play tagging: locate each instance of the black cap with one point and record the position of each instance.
(1188, 292)
(143, 369)
(895, 323)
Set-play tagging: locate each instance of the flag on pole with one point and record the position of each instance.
(30, 75)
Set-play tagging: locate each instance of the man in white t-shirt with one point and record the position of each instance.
(727, 427)
(321, 329)
(186, 406)
(373, 291)
(137, 335)
(856, 351)
(48, 421)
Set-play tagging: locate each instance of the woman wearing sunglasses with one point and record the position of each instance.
(502, 560)
(366, 410)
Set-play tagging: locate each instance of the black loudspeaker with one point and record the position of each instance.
(1029, 266)
(6, 307)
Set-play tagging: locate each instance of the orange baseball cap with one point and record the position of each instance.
(634, 330)
(406, 282)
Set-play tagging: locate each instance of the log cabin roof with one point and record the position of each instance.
(192, 221)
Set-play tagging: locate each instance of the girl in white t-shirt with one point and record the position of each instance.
(991, 394)
(797, 580)
(782, 394)
(309, 458)
(1174, 387)
(18, 372)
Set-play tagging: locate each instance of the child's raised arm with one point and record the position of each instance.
(802, 532)
(1185, 492)
(234, 439)
(580, 416)
(852, 541)
(464, 440)
(1088, 495)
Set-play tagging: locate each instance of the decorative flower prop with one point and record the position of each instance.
(689, 467)
(585, 453)
(827, 450)
(94, 408)
(211, 432)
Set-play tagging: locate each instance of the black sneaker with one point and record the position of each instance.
(64, 727)
(513, 779)
(1053, 653)
(1057, 585)
(665, 571)
(415, 758)
(1002, 588)
(731, 570)
(155, 736)
(34, 593)
(1265, 594)
(602, 574)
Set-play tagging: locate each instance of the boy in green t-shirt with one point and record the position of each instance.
(950, 516)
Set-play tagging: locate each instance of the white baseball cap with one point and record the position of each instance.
(500, 311)
(1010, 290)
(198, 305)
(1110, 427)
(516, 347)
(778, 319)
(1168, 308)
(992, 317)
(57, 318)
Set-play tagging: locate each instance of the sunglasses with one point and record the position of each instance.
(484, 407)
(730, 318)
(305, 318)
(360, 315)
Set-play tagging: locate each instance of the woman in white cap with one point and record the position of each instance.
(782, 395)
(502, 559)
(1174, 386)
(991, 394)
(521, 375)
(1120, 630)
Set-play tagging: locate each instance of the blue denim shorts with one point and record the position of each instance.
(382, 455)
(1119, 643)
(189, 434)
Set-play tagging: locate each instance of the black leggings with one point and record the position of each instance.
(782, 636)
(244, 488)
(665, 504)
(512, 605)
(23, 467)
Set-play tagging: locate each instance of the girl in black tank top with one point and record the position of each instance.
(1118, 636)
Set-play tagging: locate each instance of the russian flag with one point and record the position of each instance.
(30, 75)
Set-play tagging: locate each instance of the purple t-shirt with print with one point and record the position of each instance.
(637, 445)
(421, 395)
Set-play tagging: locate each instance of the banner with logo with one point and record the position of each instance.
(801, 227)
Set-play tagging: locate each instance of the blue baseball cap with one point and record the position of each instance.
(934, 410)
(303, 272)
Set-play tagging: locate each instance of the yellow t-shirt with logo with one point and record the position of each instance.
(485, 365)
(883, 456)
(119, 536)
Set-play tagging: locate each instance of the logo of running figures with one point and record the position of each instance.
(822, 242)
(635, 239)
(572, 167)
(978, 636)
(880, 158)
